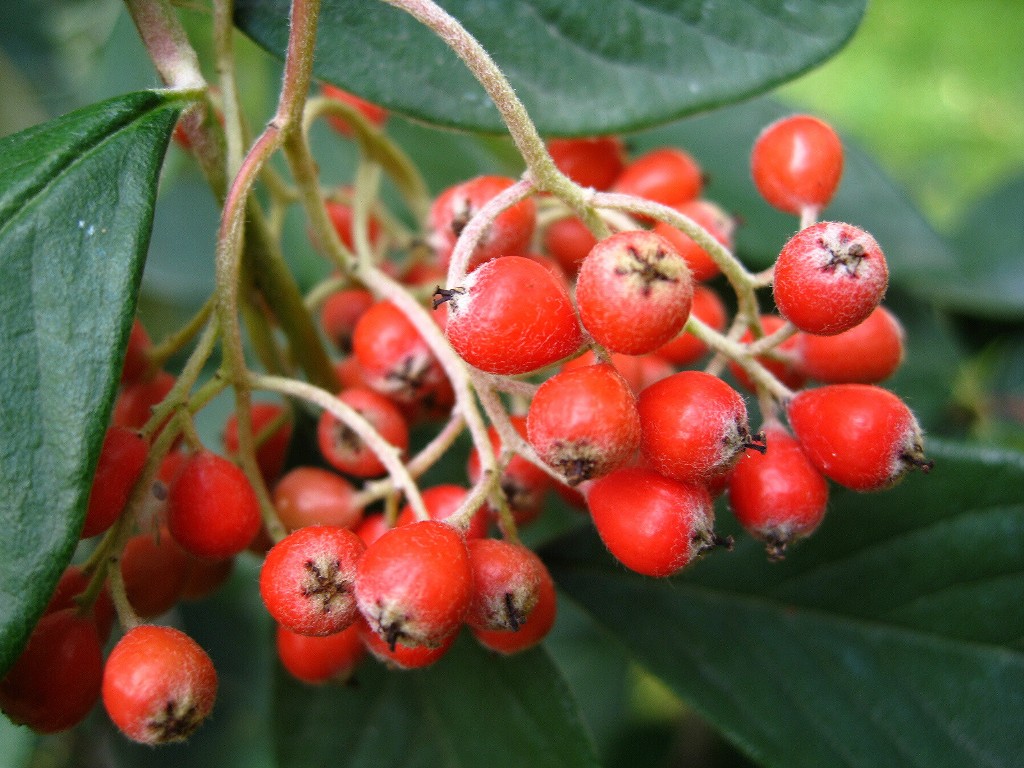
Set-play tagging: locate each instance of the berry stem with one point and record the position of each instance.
(160, 353)
(737, 352)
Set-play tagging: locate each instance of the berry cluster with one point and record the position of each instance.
(582, 341)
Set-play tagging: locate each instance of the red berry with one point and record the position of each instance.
(797, 163)
(568, 241)
(372, 528)
(122, 458)
(136, 360)
(777, 496)
(511, 316)
(343, 218)
(693, 426)
(394, 358)
(781, 361)
(212, 511)
(665, 175)
(308, 579)
(341, 312)
(650, 523)
(441, 502)
(158, 685)
(594, 162)
(508, 235)
(685, 348)
(73, 582)
(135, 404)
(272, 448)
(523, 483)
(315, 660)
(506, 584)
(55, 680)
(401, 656)
(155, 570)
(584, 422)
(375, 114)
(829, 277)
(538, 623)
(315, 496)
(868, 353)
(344, 449)
(633, 292)
(414, 584)
(858, 435)
(719, 224)
(639, 371)
(204, 577)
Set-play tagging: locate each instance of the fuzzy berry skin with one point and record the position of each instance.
(719, 224)
(650, 523)
(584, 422)
(55, 680)
(665, 175)
(414, 584)
(538, 623)
(212, 510)
(272, 449)
(868, 353)
(375, 114)
(122, 458)
(593, 162)
(693, 426)
(319, 660)
(511, 316)
(686, 348)
(400, 656)
(568, 241)
(394, 358)
(523, 483)
(158, 685)
(506, 584)
(860, 436)
(508, 235)
(634, 292)
(829, 277)
(777, 496)
(315, 496)
(797, 163)
(308, 579)
(639, 371)
(344, 449)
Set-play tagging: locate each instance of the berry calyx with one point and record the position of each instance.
(536, 627)
(860, 436)
(344, 449)
(159, 685)
(797, 163)
(506, 584)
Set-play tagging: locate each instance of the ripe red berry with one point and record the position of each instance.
(343, 219)
(155, 570)
(523, 483)
(308, 579)
(441, 502)
(858, 435)
(568, 241)
(651, 524)
(868, 353)
(511, 315)
(212, 511)
(122, 458)
(665, 175)
(340, 313)
(394, 358)
(639, 371)
(135, 404)
(315, 496)
(693, 426)
(414, 584)
(316, 660)
(204, 577)
(829, 277)
(593, 162)
(73, 582)
(272, 448)
(508, 235)
(375, 114)
(685, 348)
(400, 656)
(55, 680)
(506, 584)
(712, 218)
(158, 685)
(782, 361)
(537, 626)
(584, 422)
(797, 163)
(372, 528)
(633, 292)
(344, 449)
(136, 360)
(777, 496)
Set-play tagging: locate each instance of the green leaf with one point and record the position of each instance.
(76, 204)
(579, 67)
(471, 709)
(891, 637)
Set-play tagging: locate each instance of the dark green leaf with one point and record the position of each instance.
(76, 204)
(471, 709)
(891, 637)
(580, 67)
